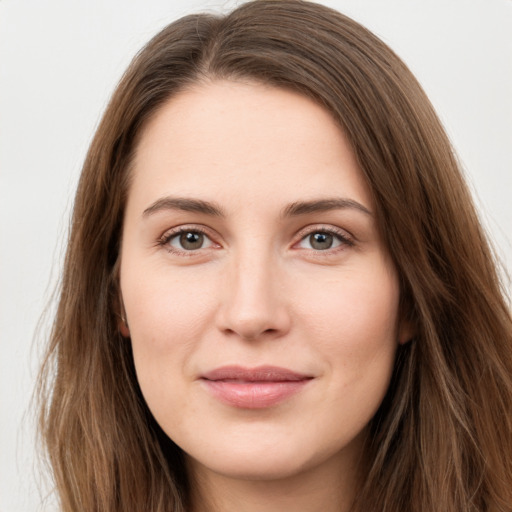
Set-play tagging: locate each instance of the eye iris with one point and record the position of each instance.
(191, 240)
(321, 241)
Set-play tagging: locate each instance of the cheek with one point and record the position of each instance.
(164, 330)
(166, 308)
(358, 338)
(353, 322)
(166, 326)
(356, 308)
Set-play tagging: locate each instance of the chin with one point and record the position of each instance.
(264, 462)
(260, 468)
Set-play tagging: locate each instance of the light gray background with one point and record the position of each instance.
(60, 60)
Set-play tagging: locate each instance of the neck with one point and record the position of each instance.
(329, 488)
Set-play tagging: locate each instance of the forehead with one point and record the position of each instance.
(242, 139)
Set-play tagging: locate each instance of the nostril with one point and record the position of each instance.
(252, 334)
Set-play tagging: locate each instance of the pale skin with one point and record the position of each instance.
(250, 239)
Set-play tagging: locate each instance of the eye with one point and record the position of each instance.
(323, 240)
(187, 240)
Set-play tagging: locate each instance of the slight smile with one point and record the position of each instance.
(254, 388)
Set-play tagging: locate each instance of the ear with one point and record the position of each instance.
(122, 323)
(123, 327)
(406, 331)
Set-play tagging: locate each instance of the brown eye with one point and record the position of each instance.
(189, 241)
(321, 241)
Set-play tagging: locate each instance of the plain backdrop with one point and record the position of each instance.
(59, 62)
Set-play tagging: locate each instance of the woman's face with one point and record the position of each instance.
(261, 302)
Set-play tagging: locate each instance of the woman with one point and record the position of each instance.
(277, 293)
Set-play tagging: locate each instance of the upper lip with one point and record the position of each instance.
(257, 374)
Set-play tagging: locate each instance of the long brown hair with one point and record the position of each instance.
(442, 439)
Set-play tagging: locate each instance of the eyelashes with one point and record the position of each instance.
(324, 239)
(190, 240)
(187, 240)
(194, 240)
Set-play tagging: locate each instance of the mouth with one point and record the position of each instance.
(254, 388)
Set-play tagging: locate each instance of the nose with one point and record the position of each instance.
(253, 304)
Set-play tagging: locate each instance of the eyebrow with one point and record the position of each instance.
(292, 210)
(184, 204)
(323, 205)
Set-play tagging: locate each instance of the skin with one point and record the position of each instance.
(258, 291)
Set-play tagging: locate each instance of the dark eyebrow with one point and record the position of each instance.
(184, 204)
(323, 205)
(292, 210)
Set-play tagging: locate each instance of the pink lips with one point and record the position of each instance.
(253, 388)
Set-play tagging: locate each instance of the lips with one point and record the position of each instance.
(254, 388)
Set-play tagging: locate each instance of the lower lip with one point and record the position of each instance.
(254, 395)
